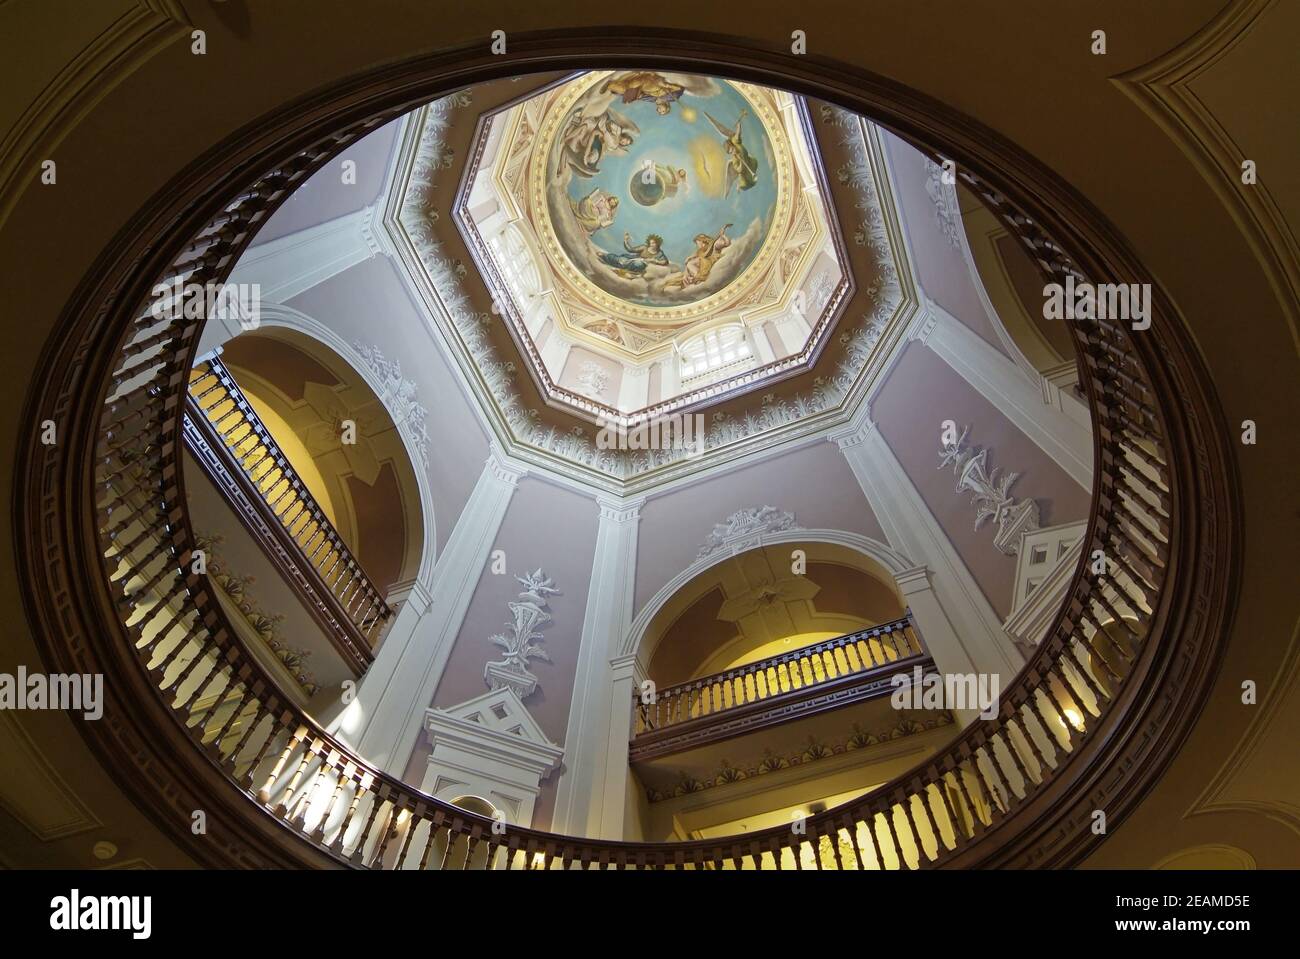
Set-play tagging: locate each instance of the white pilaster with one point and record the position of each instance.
(762, 345)
(400, 684)
(590, 797)
(793, 329)
(555, 352)
(1062, 436)
(972, 640)
(634, 390)
(670, 377)
(937, 630)
(294, 263)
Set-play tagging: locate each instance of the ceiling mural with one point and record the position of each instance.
(661, 189)
(503, 312)
(646, 207)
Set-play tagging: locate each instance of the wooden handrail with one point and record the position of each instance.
(1162, 517)
(229, 441)
(935, 812)
(886, 647)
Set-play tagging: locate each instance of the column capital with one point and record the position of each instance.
(624, 667)
(914, 580)
(618, 510)
(374, 233)
(409, 592)
(504, 468)
(923, 324)
(854, 433)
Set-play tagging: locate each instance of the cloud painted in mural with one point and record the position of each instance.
(661, 187)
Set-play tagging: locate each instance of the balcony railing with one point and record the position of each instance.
(242, 459)
(793, 685)
(1089, 723)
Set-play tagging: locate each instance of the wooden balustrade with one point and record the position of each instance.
(864, 654)
(229, 441)
(992, 793)
(315, 785)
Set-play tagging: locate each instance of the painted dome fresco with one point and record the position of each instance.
(660, 189)
(651, 240)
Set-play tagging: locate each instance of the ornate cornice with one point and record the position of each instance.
(730, 436)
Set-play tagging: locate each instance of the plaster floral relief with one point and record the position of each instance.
(265, 625)
(990, 493)
(521, 645)
(399, 396)
(743, 525)
(946, 209)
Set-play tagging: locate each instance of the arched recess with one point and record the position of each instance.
(326, 346)
(878, 560)
(455, 852)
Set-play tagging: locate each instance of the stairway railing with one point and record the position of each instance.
(232, 445)
(1087, 696)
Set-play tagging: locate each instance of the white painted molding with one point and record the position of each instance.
(401, 682)
(373, 233)
(490, 747)
(911, 528)
(1034, 610)
(408, 592)
(589, 798)
(292, 264)
(1060, 435)
(891, 559)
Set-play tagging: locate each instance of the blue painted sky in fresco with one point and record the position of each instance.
(667, 140)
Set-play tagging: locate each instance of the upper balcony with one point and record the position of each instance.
(830, 697)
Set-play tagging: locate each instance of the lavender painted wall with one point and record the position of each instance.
(368, 304)
(325, 196)
(940, 266)
(920, 392)
(554, 528)
(815, 483)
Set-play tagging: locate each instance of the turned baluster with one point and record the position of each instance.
(264, 794)
(308, 754)
(337, 844)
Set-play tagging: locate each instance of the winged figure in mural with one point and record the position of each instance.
(742, 167)
(661, 89)
(590, 137)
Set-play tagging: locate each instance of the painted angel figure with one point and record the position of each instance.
(590, 137)
(742, 167)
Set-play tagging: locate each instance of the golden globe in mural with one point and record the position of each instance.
(661, 188)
